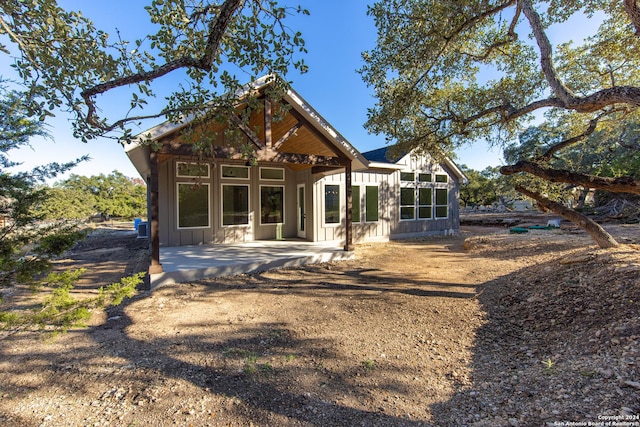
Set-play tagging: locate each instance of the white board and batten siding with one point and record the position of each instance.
(416, 227)
(390, 224)
(213, 230)
(363, 230)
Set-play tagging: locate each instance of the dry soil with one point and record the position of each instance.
(482, 329)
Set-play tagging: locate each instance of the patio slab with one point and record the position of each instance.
(181, 264)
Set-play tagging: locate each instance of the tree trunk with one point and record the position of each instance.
(583, 197)
(601, 237)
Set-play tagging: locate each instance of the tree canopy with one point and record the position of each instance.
(448, 73)
(67, 63)
(79, 197)
(28, 245)
(19, 193)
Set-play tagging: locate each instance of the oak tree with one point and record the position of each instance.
(446, 73)
(67, 63)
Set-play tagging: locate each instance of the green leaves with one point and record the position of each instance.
(60, 310)
(448, 72)
(66, 62)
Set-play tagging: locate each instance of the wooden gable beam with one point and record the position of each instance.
(248, 132)
(288, 135)
(268, 117)
(321, 137)
(265, 155)
(298, 159)
(324, 169)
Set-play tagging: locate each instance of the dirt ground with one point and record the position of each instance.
(482, 329)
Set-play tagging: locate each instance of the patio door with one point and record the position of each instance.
(302, 215)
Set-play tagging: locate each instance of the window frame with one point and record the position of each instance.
(436, 205)
(178, 175)
(282, 212)
(412, 206)
(222, 186)
(429, 180)
(438, 178)
(366, 210)
(324, 206)
(412, 173)
(247, 168)
(271, 179)
(191, 184)
(357, 203)
(430, 205)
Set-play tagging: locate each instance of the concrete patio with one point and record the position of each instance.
(181, 264)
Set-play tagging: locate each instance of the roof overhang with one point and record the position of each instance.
(138, 149)
(456, 170)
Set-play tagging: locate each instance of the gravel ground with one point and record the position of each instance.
(481, 329)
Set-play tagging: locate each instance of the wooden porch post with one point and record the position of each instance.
(155, 266)
(348, 245)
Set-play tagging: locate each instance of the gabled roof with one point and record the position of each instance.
(379, 157)
(137, 150)
(382, 155)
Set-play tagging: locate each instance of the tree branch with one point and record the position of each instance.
(217, 28)
(593, 123)
(623, 184)
(632, 7)
(567, 142)
(465, 25)
(602, 238)
(546, 54)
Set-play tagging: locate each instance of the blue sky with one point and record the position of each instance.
(336, 33)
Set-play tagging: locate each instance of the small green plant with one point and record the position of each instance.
(59, 310)
(369, 365)
(265, 367)
(251, 365)
(250, 369)
(290, 357)
(549, 366)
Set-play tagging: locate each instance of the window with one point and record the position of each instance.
(442, 178)
(424, 177)
(407, 176)
(235, 205)
(407, 203)
(371, 203)
(425, 202)
(355, 204)
(235, 172)
(192, 170)
(271, 204)
(332, 204)
(273, 174)
(193, 205)
(442, 202)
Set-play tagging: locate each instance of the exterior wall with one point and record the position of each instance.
(390, 225)
(450, 224)
(215, 232)
(363, 230)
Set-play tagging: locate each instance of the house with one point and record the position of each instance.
(303, 181)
